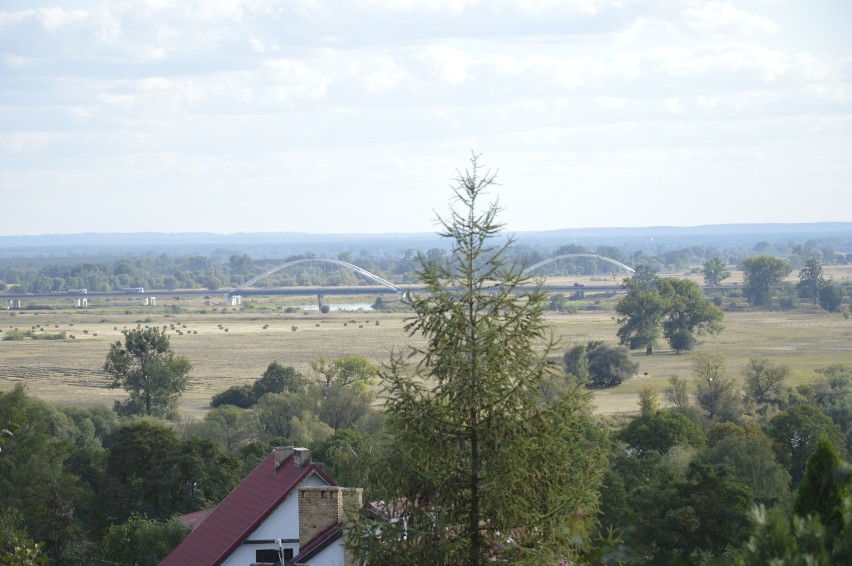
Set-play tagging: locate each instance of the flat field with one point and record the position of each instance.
(231, 346)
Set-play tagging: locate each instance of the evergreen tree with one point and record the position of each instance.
(478, 466)
(823, 488)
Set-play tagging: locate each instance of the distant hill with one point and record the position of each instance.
(281, 244)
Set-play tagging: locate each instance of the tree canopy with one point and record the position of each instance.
(675, 307)
(146, 367)
(761, 273)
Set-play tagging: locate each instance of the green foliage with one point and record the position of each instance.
(610, 365)
(347, 454)
(141, 541)
(472, 452)
(649, 400)
(796, 431)
(830, 297)
(677, 392)
(152, 472)
(146, 367)
(237, 395)
(834, 396)
(706, 513)
(810, 280)
(764, 380)
(675, 306)
(278, 379)
(349, 370)
(227, 424)
(687, 313)
(640, 313)
(798, 541)
(824, 488)
(659, 431)
(753, 463)
(714, 271)
(576, 362)
(32, 478)
(761, 273)
(715, 392)
(14, 336)
(16, 547)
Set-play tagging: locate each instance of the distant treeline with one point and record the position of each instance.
(171, 272)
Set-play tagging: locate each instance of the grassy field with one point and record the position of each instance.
(230, 346)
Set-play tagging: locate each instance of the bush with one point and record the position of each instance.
(14, 335)
(238, 395)
(610, 365)
(45, 336)
(830, 297)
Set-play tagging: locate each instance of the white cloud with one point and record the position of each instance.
(723, 18)
(381, 74)
(451, 64)
(55, 18)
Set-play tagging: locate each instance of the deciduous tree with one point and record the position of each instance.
(714, 271)
(763, 380)
(796, 431)
(810, 280)
(715, 391)
(146, 367)
(687, 313)
(761, 273)
(830, 297)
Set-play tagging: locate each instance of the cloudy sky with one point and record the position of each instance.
(336, 116)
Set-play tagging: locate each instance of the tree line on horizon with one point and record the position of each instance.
(167, 272)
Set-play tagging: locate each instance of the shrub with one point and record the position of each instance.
(238, 395)
(14, 335)
(610, 365)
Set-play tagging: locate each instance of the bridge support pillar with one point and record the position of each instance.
(319, 302)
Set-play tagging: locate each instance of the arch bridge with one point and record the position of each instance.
(393, 287)
(352, 267)
(623, 266)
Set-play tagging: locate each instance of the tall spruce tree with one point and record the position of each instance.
(478, 466)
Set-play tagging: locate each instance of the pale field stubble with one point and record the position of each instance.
(69, 372)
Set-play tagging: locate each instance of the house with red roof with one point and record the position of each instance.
(286, 511)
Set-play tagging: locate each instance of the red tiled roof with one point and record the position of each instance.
(319, 542)
(192, 520)
(241, 512)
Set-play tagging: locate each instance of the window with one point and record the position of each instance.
(270, 555)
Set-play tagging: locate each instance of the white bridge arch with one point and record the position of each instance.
(351, 267)
(534, 266)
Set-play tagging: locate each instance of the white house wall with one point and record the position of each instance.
(332, 555)
(282, 523)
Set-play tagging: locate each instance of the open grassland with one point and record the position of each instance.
(232, 346)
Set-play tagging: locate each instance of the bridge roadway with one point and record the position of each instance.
(353, 290)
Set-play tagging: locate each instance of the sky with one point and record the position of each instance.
(335, 116)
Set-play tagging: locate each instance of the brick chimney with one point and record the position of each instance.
(323, 507)
(281, 454)
(301, 456)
